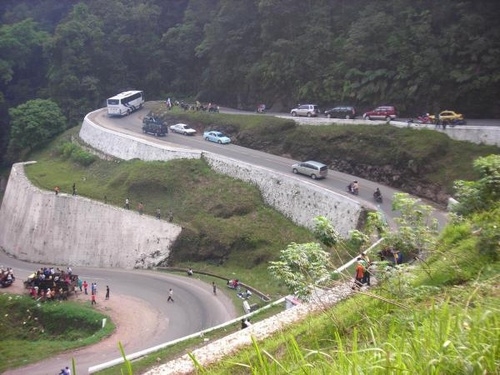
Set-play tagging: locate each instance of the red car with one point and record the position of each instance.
(385, 112)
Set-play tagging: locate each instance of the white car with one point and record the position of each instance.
(182, 129)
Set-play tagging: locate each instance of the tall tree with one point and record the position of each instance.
(181, 67)
(22, 69)
(73, 82)
(232, 46)
(33, 123)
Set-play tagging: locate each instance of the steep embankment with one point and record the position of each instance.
(421, 162)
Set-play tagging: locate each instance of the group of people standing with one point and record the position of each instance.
(49, 283)
(84, 286)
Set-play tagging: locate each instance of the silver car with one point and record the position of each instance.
(309, 110)
(311, 168)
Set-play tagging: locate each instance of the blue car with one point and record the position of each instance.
(216, 136)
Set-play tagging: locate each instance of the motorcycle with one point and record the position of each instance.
(4, 283)
(353, 189)
(424, 119)
(378, 197)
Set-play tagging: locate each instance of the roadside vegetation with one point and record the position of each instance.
(239, 230)
(31, 331)
(439, 315)
(421, 162)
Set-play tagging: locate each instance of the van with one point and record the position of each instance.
(155, 126)
(346, 112)
(311, 168)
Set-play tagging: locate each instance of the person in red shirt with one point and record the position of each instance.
(85, 287)
(360, 272)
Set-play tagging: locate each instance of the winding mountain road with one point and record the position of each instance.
(336, 181)
(138, 306)
(138, 297)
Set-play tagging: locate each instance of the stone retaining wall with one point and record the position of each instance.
(127, 147)
(299, 200)
(39, 226)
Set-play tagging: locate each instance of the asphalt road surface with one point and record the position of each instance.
(195, 307)
(336, 181)
(149, 319)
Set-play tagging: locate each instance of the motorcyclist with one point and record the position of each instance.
(377, 195)
(354, 187)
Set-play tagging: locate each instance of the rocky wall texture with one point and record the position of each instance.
(299, 200)
(40, 226)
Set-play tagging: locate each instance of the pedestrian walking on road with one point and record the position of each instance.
(74, 188)
(170, 295)
(158, 213)
(214, 288)
(140, 208)
(93, 300)
(85, 287)
(107, 291)
(127, 204)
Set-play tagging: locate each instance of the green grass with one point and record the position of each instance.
(31, 330)
(223, 219)
(443, 330)
(380, 153)
(400, 331)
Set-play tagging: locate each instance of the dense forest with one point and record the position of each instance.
(420, 55)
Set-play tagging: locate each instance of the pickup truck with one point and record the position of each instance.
(154, 125)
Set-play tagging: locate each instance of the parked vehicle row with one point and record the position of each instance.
(348, 112)
(384, 112)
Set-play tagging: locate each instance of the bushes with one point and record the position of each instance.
(76, 154)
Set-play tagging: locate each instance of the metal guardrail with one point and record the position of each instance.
(153, 349)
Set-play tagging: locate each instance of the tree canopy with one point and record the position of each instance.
(419, 56)
(34, 123)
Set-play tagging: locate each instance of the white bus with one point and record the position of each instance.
(125, 103)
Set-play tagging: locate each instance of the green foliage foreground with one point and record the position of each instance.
(31, 330)
(440, 317)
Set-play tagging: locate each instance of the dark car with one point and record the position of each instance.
(154, 125)
(341, 112)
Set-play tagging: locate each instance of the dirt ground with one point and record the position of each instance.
(137, 317)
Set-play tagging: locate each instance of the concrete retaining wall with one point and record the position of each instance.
(39, 226)
(299, 200)
(127, 147)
